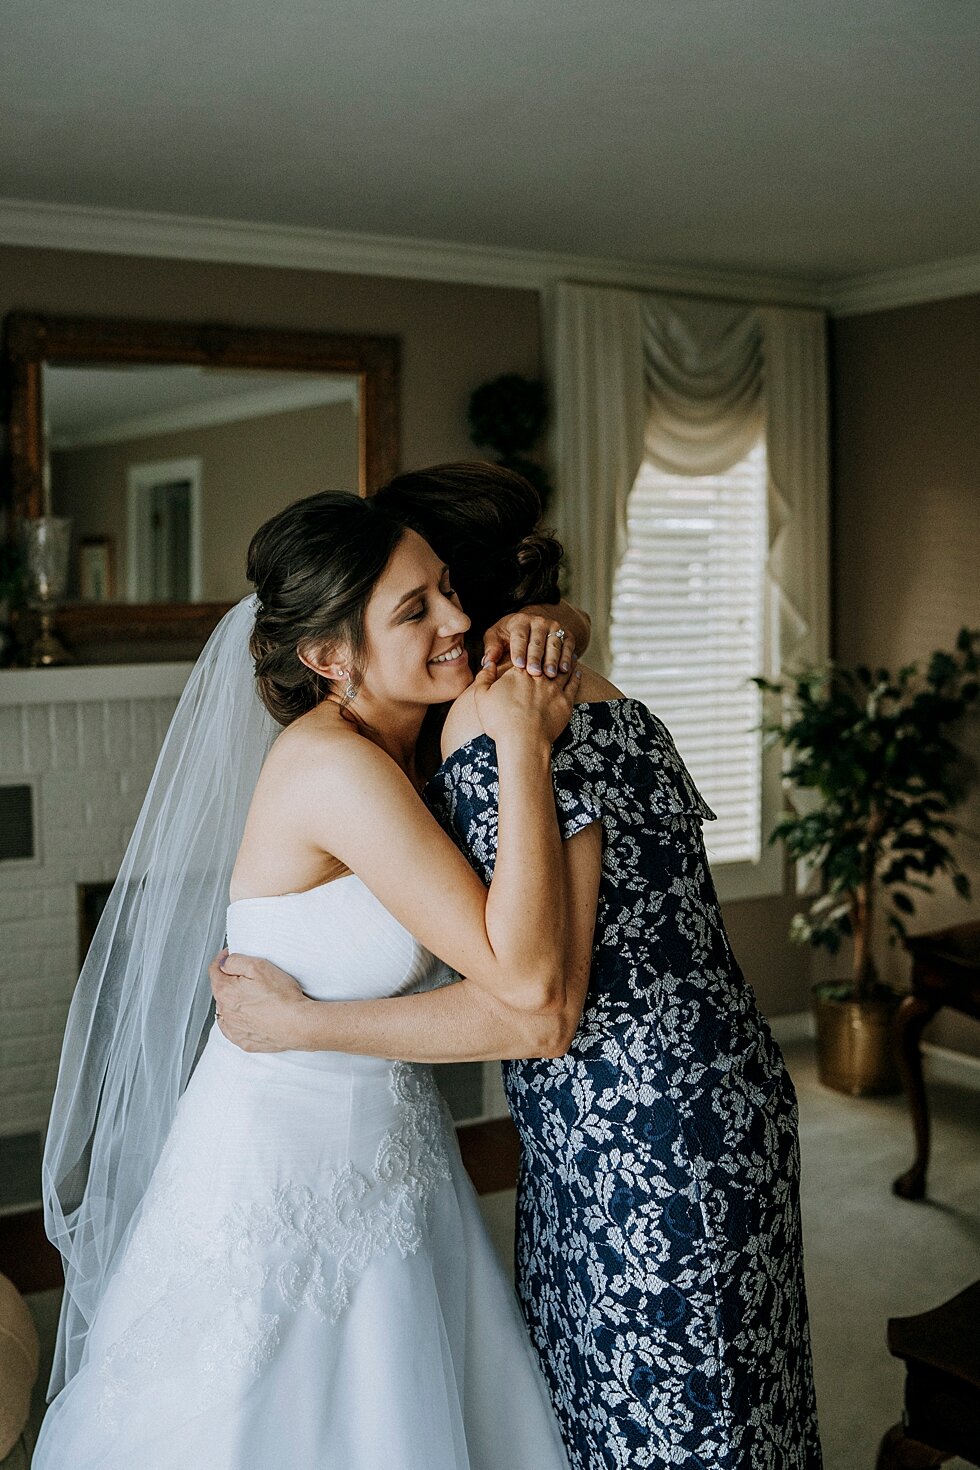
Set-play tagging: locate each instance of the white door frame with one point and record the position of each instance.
(139, 479)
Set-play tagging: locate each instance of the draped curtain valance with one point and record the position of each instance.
(690, 384)
(703, 375)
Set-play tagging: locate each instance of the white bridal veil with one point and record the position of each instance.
(142, 1002)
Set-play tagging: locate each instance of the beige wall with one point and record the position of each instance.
(907, 520)
(779, 972)
(249, 470)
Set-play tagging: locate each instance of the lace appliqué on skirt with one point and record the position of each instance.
(223, 1282)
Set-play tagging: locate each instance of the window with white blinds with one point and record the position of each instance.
(687, 632)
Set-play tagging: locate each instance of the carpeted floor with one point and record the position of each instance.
(869, 1255)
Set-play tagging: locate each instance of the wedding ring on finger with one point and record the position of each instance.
(559, 633)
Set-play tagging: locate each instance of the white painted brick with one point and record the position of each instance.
(36, 736)
(92, 762)
(64, 737)
(34, 1117)
(58, 982)
(63, 796)
(59, 902)
(142, 727)
(163, 711)
(92, 750)
(68, 840)
(118, 732)
(33, 1020)
(11, 742)
(15, 905)
(59, 959)
(34, 1077)
(20, 936)
(100, 790)
(26, 1051)
(15, 877)
(17, 971)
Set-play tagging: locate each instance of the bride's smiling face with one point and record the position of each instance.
(414, 629)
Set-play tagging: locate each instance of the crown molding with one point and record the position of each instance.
(184, 237)
(238, 242)
(911, 286)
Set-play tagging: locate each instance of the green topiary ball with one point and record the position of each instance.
(508, 414)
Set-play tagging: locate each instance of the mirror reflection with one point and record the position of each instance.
(167, 471)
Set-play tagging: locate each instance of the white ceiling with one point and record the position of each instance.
(815, 139)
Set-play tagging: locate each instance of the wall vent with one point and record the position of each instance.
(16, 823)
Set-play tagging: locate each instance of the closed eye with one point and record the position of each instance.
(445, 589)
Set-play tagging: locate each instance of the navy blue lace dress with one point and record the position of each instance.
(659, 1256)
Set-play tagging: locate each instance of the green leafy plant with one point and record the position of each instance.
(875, 750)
(508, 416)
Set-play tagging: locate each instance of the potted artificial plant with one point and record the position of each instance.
(874, 752)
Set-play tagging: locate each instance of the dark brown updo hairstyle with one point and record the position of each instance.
(481, 519)
(314, 566)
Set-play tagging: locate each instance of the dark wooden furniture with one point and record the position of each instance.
(941, 1350)
(945, 972)
(26, 1254)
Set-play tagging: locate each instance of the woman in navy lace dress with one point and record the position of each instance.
(659, 1252)
(659, 1256)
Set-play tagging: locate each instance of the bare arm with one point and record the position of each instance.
(354, 802)
(262, 1009)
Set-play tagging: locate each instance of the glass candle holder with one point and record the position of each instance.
(46, 542)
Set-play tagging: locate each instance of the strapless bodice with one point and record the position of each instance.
(337, 940)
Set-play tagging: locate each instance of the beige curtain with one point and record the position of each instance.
(797, 448)
(689, 384)
(599, 421)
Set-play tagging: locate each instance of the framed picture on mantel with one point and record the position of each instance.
(96, 569)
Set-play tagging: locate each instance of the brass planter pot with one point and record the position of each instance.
(855, 1045)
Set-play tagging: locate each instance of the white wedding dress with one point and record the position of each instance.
(309, 1285)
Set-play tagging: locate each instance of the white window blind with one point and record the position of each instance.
(687, 632)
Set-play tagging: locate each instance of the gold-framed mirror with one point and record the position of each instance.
(167, 444)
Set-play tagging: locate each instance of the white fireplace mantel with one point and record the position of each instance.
(82, 683)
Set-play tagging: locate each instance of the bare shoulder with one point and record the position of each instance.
(323, 749)
(462, 723)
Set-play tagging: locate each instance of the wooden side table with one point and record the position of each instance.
(941, 1350)
(945, 972)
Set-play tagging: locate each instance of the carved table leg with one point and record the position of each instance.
(913, 1015)
(898, 1452)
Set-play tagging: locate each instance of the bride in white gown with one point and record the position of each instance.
(282, 1263)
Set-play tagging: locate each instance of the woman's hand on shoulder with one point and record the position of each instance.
(529, 637)
(518, 705)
